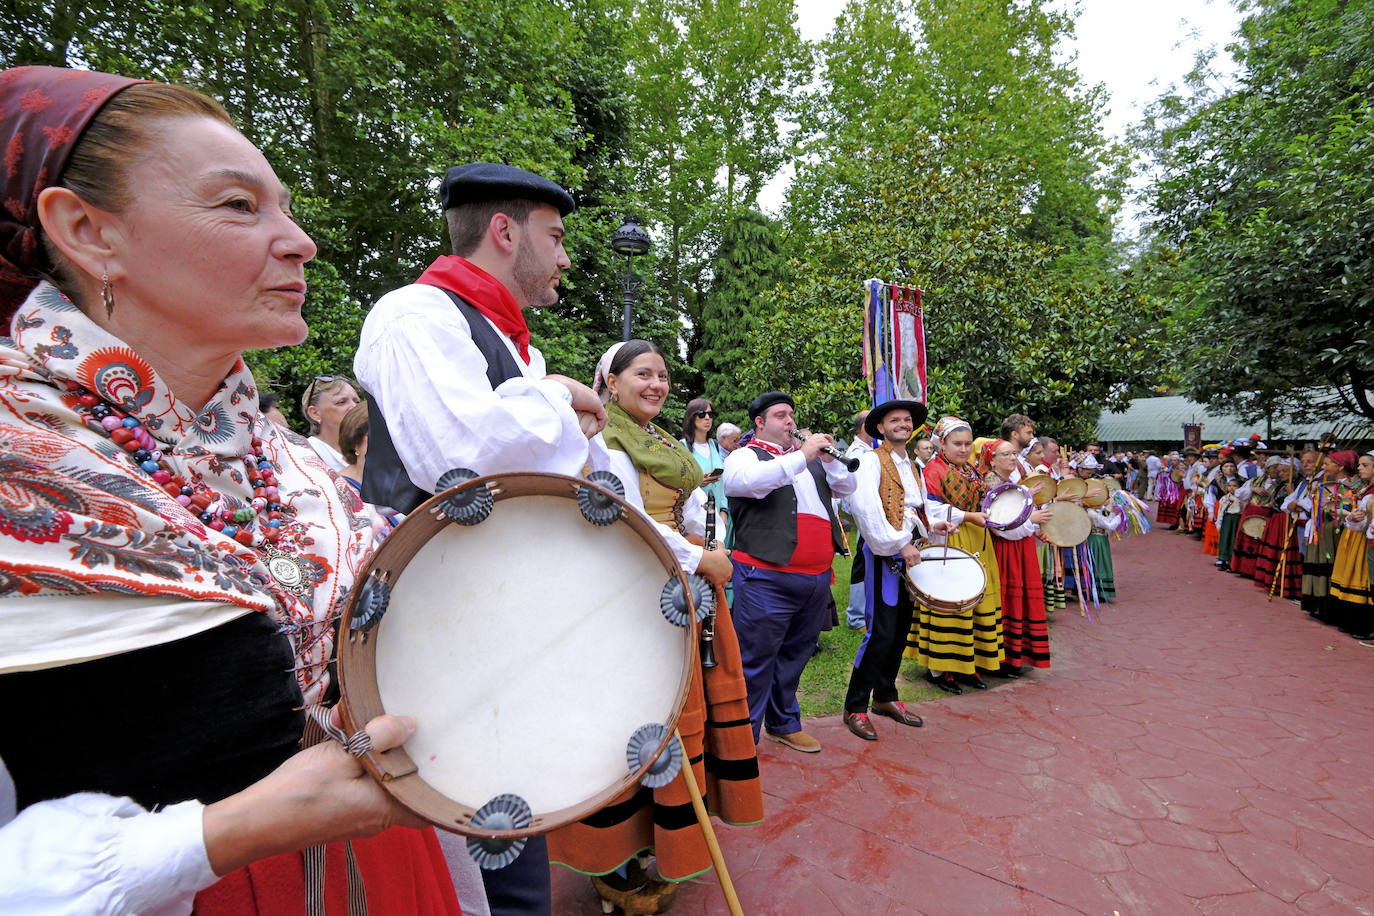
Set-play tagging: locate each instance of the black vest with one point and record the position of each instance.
(767, 528)
(385, 481)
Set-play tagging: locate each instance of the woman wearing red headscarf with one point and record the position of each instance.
(1323, 502)
(1025, 627)
(174, 566)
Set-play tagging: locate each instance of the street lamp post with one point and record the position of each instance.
(631, 241)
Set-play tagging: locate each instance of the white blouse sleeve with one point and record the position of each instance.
(866, 507)
(603, 458)
(94, 854)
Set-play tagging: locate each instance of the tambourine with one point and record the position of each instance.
(542, 634)
(1007, 505)
(1069, 527)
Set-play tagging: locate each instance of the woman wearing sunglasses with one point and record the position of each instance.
(696, 435)
(327, 398)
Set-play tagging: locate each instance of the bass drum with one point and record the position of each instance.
(543, 684)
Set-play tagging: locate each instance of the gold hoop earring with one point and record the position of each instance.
(107, 294)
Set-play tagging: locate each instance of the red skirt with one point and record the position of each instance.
(1271, 550)
(403, 871)
(1025, 628)
(1247, 548)
(1166, 514)
(1211, 538)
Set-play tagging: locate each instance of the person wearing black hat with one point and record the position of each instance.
(889, 509)
(447, 364)
(786, 536)
(452, 381)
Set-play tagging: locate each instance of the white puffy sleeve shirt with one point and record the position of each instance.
(694, 511)
(417, 360)
(749, 478)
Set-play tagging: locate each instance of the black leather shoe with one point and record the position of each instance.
(1009, 671)
(858, 723)
(897, 713)
(974, 681)
(946, 682)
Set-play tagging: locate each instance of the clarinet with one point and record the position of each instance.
(851, 464)
(708, 626)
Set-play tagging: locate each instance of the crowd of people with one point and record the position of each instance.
(176, 556)
(1297, 523)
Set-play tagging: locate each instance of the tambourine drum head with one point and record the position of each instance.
(1096, 493)
(1072, 488)
(1112, 483)
(1045, 493)
(1069, 527)
(1254, 525)
(947, 578)
(1009, 508)
(529, 647)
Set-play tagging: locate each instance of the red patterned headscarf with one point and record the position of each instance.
(985, 455)
(43, 111)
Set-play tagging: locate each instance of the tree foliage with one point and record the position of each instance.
(1267, 194)
(748, 263)
(1006, 332)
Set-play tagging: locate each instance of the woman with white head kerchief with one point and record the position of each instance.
(662, 479)
(1098, 548)
(953, 646)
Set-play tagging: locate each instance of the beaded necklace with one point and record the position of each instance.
(257, 524)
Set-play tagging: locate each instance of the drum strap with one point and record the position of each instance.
(314, 856)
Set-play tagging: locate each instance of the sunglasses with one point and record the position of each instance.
(706, 413)
(310, 392)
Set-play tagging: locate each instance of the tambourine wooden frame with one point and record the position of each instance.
(361, 700)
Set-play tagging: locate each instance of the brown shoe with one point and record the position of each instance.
(858, 724)
(897, 712)
(797, 741)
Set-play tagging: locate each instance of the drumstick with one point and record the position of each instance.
(717, 859)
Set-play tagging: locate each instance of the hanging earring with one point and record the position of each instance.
(107, 294)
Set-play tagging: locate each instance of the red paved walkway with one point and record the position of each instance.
(1196, 750)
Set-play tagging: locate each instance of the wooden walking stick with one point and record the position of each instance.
(1279, 571)
(727, 887)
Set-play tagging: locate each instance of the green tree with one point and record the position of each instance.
(1266, 195)
(1005, 331)
(748, 263)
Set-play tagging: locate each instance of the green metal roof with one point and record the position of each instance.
(1162, 419)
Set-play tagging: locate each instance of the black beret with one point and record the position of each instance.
(479, 181)
(875, 416)
(760, 404)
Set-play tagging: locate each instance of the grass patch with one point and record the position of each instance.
(826, 677)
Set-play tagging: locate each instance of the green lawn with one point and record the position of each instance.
(827, 675)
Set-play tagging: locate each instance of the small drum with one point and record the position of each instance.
(1071, 488)
(1047, 490)
(1096, 494)
(1112, 483)
(544, 682)
(1253, 525)
(947, 579)
(1007, 505)
(1069, 527)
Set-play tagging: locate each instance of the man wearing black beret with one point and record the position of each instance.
(786, 535)
(453, 381)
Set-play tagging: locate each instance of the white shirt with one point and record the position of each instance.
(1153, 465)
(748, 477)
(693, 513)
(91, 855)
(417, 360)
(331, 456)
(866, 504)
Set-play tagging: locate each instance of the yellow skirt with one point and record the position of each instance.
(1350, 575)
(962, 643)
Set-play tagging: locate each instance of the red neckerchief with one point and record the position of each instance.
(486, 293)
(772, 449)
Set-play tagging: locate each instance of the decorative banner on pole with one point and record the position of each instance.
(894, 343)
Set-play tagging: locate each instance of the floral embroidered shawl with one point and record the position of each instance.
(96, 559)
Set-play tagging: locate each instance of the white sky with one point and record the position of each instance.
(1137, 49)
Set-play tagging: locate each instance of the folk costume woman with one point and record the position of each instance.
(1259, 496)
(1025, 627)
(170, 562)
(1228, 510)
(1350, 603)
(1282, 547)
(1097, 549)
(1322, 502)
(1213, 492)
(1169, 491)
(953, 646)
(662, 479)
